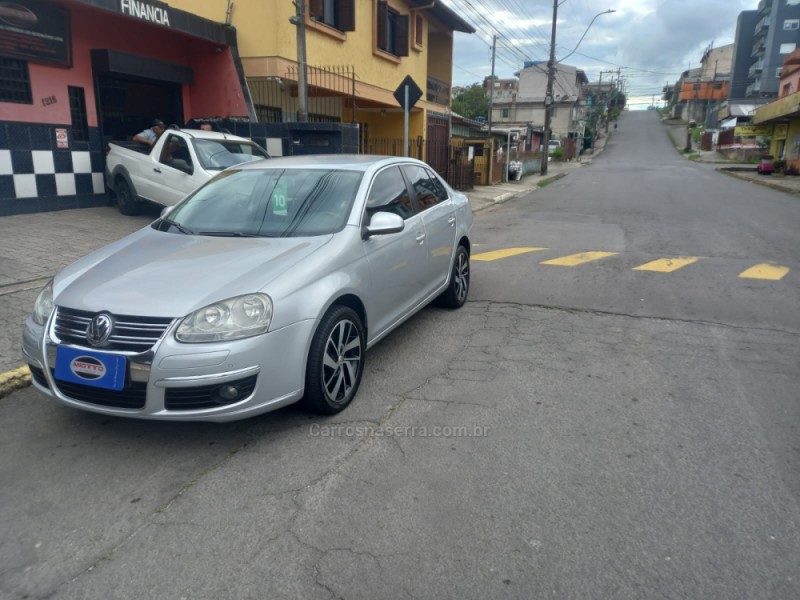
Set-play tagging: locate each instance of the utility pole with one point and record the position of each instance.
(597, 110)
(616, 91)
(548, 98)
(491, 87)
(299, 20)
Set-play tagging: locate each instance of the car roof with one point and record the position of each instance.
(349, 162)
(213, 135)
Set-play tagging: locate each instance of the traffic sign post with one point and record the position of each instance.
(407, 95)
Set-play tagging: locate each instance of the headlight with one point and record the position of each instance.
(43, 307)
(231, 319)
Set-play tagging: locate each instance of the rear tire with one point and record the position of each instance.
(456, 293)
(126, 199)
(335, 362)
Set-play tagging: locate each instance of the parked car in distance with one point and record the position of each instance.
(766, 165)
(178, 163)
(264, 287)
(552, 146)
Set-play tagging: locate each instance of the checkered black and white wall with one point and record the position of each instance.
(36, 175)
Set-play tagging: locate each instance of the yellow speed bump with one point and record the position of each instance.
(577, 259)
(667, 265)
(11, 381)
(505, 253)
(765, 271)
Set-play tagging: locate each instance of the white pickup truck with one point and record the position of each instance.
(179, 162)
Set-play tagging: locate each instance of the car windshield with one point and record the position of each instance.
(216, 155)
(267, 202)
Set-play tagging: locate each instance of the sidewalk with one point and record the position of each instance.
(36, 246)
(747, 172)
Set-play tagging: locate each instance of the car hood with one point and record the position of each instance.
(154, 273)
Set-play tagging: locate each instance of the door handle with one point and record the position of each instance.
(156, 169)
(420, 238)
(451, 221)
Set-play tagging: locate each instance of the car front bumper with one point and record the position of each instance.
(181, 382)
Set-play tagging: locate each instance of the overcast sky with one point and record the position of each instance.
(650, 41)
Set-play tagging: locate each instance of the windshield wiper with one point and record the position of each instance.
(228, 234)
(180, 228)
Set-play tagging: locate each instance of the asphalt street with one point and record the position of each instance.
(583, 428)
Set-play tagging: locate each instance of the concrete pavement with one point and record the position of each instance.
(36, 246)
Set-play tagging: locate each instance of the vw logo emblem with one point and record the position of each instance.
(99, 330)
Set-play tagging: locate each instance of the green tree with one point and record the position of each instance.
(617, 100)
(472, 102)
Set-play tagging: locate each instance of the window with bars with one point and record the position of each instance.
(316, 118)
(268, 114)
(77, 108)
(15, 81)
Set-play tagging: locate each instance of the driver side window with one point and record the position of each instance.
(389, 194)
(175, 153)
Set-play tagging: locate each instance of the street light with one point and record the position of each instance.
(605, 12)
(548, 99)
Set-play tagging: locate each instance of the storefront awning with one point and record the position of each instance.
(780, 111)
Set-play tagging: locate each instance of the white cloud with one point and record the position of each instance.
(651, 41)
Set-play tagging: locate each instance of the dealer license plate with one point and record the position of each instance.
(88, 367)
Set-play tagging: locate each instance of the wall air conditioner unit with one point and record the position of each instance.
(778, 72)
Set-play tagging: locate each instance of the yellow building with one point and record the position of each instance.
(358, 52)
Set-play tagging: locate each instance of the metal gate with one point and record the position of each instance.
(437, 144)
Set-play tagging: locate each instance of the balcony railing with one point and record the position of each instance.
(755, 69)
(753, 88)
(765, 6)
(438, 91)
(758, 48)
(761, 27)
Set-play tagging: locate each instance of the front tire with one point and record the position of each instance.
(335, 361)
(126, 199)
(456, 293)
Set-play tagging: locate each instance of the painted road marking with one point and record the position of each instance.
(577, 259)
(498, 254)
(765, 271)
(667, 265)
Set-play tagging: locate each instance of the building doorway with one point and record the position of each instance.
(126, 106)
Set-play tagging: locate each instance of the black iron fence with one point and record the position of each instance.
(330, 88)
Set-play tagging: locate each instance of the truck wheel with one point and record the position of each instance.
(126, 199)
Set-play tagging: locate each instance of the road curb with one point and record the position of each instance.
(507, 196)
(765, 183)
(12, 381)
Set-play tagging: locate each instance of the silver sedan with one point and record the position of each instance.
(264, 287)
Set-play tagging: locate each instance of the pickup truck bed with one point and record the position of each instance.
(178, 163)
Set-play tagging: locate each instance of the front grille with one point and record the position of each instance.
(38, 376)
(206, 396)
(132, 334)
(131, 396)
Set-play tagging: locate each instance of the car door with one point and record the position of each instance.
(176, 174)
(439, 219)
(394, 260)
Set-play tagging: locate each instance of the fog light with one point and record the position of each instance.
(228, 392)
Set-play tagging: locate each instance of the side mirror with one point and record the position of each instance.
(383, 223)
